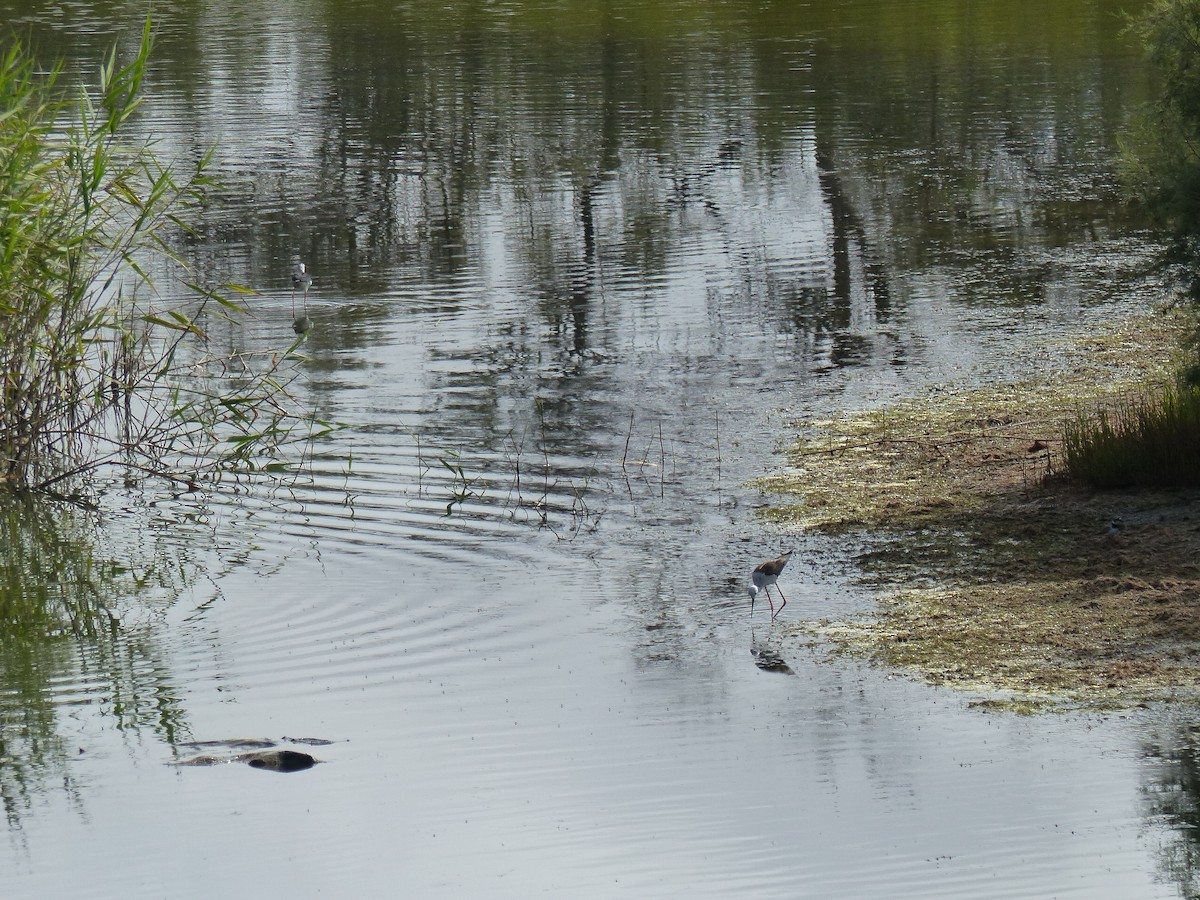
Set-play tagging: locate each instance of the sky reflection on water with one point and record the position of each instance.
(578, 268)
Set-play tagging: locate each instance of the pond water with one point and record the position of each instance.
(579, 268)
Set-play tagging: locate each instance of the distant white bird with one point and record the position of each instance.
(764, 575)
(301, 280)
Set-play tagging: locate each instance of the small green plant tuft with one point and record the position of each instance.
(1151, 441)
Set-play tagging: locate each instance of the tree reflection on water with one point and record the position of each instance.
(78, 623)
(1172, 791)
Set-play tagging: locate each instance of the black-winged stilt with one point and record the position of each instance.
(764, 575)
(301, 280)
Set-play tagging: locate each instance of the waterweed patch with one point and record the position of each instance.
(997, 574)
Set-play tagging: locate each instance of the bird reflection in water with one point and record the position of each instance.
(767, 657)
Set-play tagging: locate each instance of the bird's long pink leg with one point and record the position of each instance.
(781, 605)
(770, 602)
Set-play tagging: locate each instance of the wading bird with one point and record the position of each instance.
(301, 280)
(767, 574)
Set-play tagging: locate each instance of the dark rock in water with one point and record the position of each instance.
(310, 742)
(204, 760)
(232, 744)
(263, 754)
(281, 760)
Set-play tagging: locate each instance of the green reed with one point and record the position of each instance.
(1148, 441)
(94, 367)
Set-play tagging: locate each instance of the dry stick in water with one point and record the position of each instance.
(718, 418)
(517, 452)
(625, 456)
(662, 465)
(628, 437)
(541, 411)
(420, 465)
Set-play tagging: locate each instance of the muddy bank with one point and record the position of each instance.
(996, 574)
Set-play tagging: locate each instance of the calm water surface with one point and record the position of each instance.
(579, 267)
